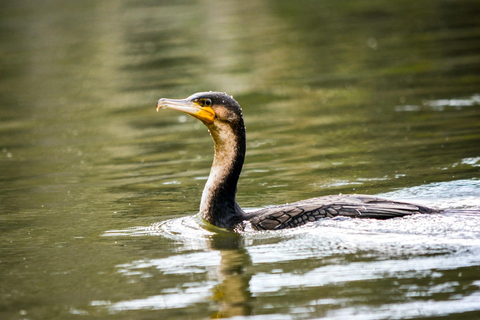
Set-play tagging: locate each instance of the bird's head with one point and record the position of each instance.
(212, 108)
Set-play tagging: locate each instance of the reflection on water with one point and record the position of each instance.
(98, 192)
(223, 258)
(442, 104)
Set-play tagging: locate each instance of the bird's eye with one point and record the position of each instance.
(207, 103)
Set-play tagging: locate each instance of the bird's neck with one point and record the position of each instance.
(218, 205)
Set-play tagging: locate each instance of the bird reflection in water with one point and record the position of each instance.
(232, 295)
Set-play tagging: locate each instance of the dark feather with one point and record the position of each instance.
(355, 206)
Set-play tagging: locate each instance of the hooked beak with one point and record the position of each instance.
(202, 113)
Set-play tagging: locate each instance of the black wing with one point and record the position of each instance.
(357, 206)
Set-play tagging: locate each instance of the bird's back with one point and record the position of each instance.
(355, 206)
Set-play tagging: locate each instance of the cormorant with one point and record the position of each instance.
(223, 117)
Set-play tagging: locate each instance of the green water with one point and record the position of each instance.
(98, 191)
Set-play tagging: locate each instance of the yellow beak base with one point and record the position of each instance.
(204, 114)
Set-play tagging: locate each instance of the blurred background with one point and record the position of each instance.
(338, 97)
